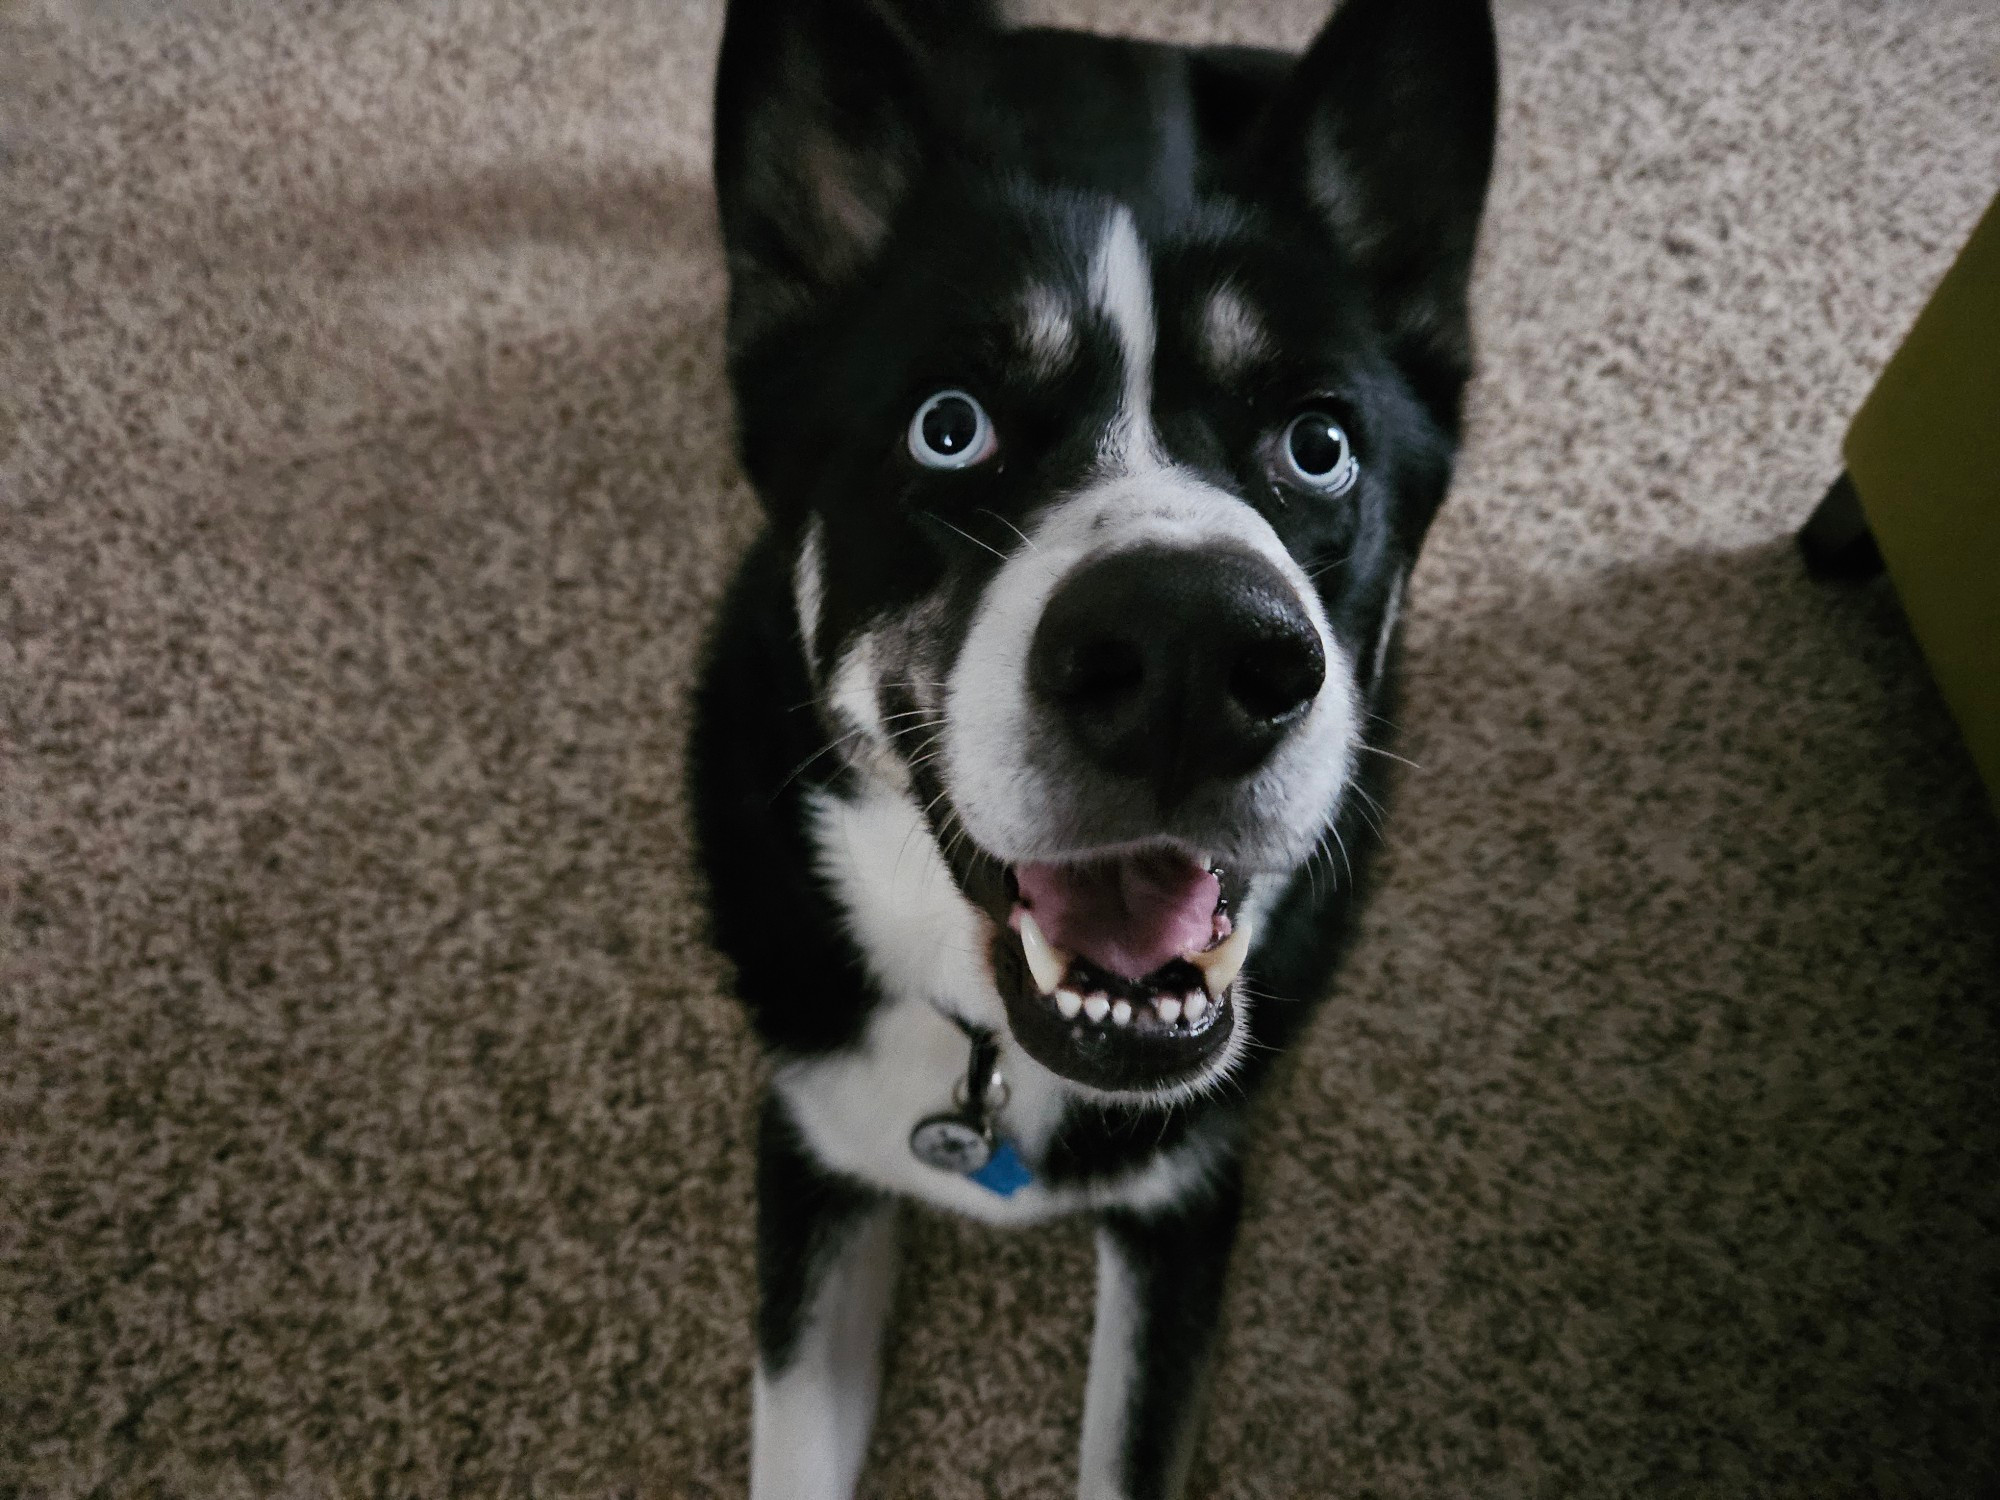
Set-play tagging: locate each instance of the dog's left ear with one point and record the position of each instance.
(1386, 130)
(826, 113)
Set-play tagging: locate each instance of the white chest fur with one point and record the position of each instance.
(925, 948)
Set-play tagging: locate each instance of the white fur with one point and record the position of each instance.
(1121, 287)
(1013, 809)
(854, 697)
(857, 712)
(925, 948)
(809, 590)
(919, 936)
(1114, 1366)
(810, 1420)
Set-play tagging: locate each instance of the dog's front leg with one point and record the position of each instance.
(826, 1262)
(1159, 1293)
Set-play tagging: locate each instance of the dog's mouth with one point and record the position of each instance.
(1120, 972)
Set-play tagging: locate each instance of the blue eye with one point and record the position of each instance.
(951, 431)
(1315, 454)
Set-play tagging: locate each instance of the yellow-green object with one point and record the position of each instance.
(1924, 455)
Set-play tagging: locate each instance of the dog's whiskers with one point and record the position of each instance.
(934, 516)
(1323, 569)
(1371, 811)
(988, 510)
(1390, 755)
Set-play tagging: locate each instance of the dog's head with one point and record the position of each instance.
(1103, 396)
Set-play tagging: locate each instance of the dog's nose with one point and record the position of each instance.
(1176, 666)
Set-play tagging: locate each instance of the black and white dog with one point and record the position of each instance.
(1100, 394)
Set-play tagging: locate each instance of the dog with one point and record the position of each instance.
(1099, 395)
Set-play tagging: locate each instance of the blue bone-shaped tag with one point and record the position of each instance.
(1004, 1173)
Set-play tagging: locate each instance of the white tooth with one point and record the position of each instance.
(1121, 1012)
(1069, 1002)
(1169, 1009)
(1097, 1007)
(1197, 1007)
(1047, 964)
(1222, 963)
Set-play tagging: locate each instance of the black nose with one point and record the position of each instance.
(1176, 666)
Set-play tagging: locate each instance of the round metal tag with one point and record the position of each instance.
(951, 1144)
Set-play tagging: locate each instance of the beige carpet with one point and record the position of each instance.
(373, 1120)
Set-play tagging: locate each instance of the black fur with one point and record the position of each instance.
(759, 748)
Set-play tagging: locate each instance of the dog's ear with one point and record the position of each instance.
(826, 111)
(1385, 130)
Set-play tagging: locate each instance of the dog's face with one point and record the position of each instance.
(1102, 486)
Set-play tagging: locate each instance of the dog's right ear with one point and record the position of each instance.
(826, 111)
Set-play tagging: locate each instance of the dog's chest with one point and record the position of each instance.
(924, 947)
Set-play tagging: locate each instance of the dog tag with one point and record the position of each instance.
(963, 1141)
(1006, 1174)
(953, 1143)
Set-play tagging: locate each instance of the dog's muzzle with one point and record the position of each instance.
(1167, 669)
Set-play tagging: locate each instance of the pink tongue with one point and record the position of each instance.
(1127, 915)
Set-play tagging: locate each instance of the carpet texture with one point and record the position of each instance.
(374, 1120)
